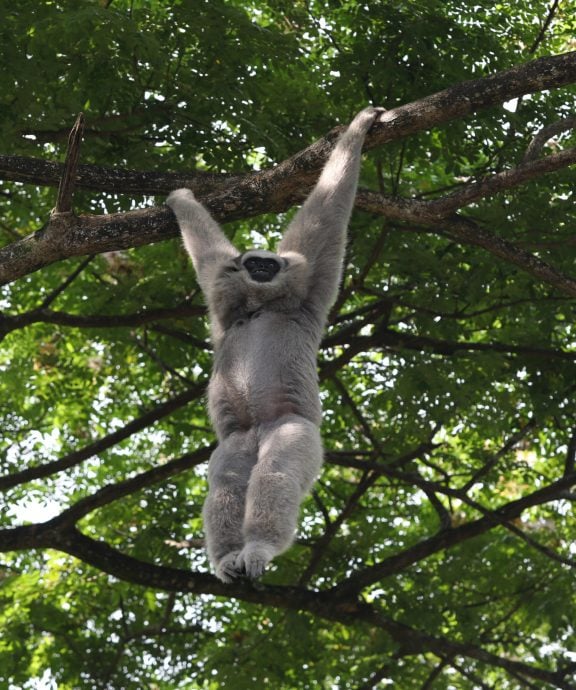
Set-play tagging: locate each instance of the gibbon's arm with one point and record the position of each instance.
(318, 230)
(204, 240)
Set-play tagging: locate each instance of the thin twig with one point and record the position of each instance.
(544, 135)
(68, 179)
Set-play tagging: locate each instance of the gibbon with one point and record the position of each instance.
(267, 313)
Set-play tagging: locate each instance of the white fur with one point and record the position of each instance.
(263, 394)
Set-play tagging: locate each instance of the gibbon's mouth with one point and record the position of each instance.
(261, 276)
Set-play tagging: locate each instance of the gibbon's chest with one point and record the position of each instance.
(265, 367)
(262, 345)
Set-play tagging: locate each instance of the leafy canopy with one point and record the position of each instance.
(444, 511)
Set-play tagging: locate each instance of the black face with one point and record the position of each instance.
(261, 269)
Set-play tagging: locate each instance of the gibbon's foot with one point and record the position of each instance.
(226, 569)
(254, 558)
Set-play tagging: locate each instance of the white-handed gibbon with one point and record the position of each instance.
(267, 314)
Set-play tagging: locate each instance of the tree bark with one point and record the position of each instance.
(233, 197)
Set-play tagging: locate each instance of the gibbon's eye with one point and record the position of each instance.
(261, 269)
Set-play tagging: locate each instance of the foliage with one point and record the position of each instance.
(444, 514)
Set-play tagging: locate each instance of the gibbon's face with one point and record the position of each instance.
(261, 266)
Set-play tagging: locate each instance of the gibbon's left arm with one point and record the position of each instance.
(318, 230)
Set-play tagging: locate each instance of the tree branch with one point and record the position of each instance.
(447, 538)
(277, 189)
(68, 179)
(36, 171)
(544, 135)
(330, 605)
(390, 339)
(452, 103)
(113, 492)
(12, 322)
(8, 481)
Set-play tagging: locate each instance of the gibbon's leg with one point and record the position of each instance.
(289, 459)
(228, 475)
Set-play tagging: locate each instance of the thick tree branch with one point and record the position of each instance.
(331, 605)
(65, 237)
(275, 190)
(98, 178)
(454, 102)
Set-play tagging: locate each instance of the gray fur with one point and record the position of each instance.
(263, 394)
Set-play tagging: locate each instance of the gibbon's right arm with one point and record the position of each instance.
(204, 240)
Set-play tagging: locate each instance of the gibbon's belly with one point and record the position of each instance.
(265, 368)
